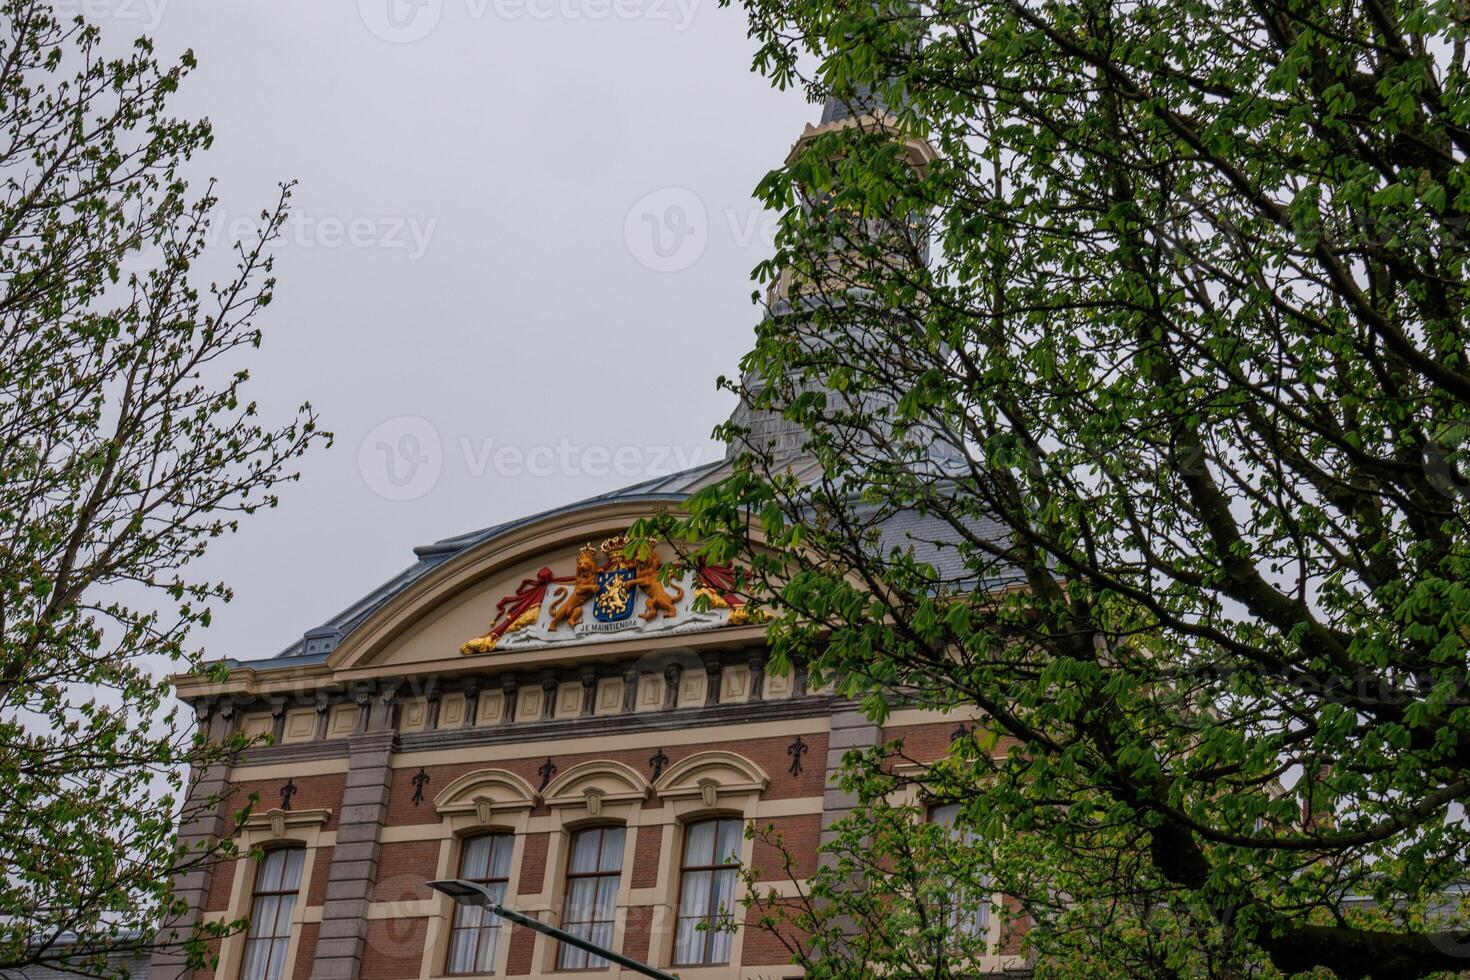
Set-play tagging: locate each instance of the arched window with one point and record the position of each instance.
(594, 869)
(272, 903)
(969, 915)
(707, 877)
(475, 935)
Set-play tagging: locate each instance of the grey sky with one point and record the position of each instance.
(471, 250)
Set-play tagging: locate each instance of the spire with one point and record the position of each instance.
(766, 430)
(864, 101)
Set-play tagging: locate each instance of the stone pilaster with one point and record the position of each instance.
(204, 808)
(340, 942)
(851, 729)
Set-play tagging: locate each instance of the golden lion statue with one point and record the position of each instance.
(584, 587)
(659, 601)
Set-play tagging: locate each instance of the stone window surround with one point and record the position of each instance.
(274, 828)
(479, 802)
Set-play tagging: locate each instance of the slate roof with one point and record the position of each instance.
(317, 643)
(901, 530)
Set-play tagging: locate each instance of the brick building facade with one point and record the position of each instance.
(526, 707)
(393, 750)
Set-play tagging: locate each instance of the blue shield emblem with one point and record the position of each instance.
(616, 594)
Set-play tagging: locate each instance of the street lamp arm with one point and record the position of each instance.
(467, 892)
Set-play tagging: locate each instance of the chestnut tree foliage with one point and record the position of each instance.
(126, 446)
(1154, 462)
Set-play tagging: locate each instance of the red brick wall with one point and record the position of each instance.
(404, 867)
(930, 741)
(1015, 929)
(761, 948)
(305, 951)
(212, 957)
(768, 753)
(220, 885)
(636, 932)
(321, 873)
(533, 862)
(645, 857)
(522, 949)
(323, 791)
(799, 836)
(394, 949)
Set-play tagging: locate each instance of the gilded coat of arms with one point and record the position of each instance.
(602, 598)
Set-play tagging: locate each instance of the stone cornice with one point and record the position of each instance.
(812, 706)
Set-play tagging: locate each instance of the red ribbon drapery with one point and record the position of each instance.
(719, 579)
(531, 592)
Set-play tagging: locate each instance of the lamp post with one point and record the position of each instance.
(473, 893)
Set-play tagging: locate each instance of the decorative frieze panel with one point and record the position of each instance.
(609, 696)
(735, 684)
(652, 684)
(693, 689)
(530, 704)
(452, 711)
(650, 692)
(778, 687)
(414, 717)
(300, 725)
(568, 700)
(491, 710)
(342, 721)
(256, 725)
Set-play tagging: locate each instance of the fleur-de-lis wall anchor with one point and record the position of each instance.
(796, 750)
(547, 770)
(419, 782)
(658, 762)
(288, 791)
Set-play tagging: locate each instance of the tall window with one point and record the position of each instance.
(475, 936)
(969, 915)
(274, 900)
(593, 871)
(707, 878)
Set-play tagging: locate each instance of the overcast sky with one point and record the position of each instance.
(520, 258)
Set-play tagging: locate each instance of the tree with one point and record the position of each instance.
(126, 446)
(1156, 463)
